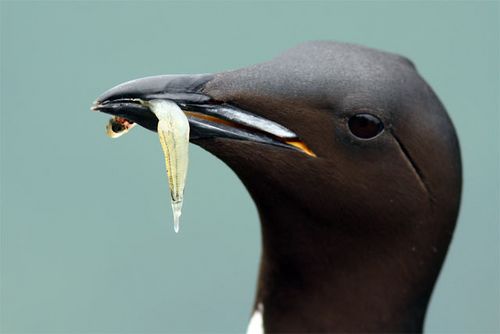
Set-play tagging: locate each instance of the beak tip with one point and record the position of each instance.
(95, 106)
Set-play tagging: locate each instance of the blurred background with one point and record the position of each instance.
(87, 242)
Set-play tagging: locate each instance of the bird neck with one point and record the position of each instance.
(316, 277)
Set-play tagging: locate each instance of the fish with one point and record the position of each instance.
(118, 126)
(173, 132)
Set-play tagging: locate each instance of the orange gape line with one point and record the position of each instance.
(294, 142)
(301, 146)
(211, 118)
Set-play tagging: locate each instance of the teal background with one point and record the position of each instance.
(87, 243)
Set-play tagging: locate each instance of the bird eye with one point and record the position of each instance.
(365, 126)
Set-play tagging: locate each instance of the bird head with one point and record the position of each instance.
(354, 166)
(337, 129)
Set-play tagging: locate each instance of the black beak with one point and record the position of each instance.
(207, 117)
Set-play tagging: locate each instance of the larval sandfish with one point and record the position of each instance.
(173, 131)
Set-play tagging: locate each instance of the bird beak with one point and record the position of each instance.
(207, 117)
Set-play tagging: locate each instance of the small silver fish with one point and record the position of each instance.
(173, 131)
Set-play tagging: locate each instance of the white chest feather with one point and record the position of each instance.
(256, 325)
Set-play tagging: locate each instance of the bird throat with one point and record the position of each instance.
(314, 279)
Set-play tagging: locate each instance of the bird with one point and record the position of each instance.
(354, 167)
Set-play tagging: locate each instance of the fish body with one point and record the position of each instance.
(173, 131)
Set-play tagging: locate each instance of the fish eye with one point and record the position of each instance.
(365, 126)
(116, 127)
